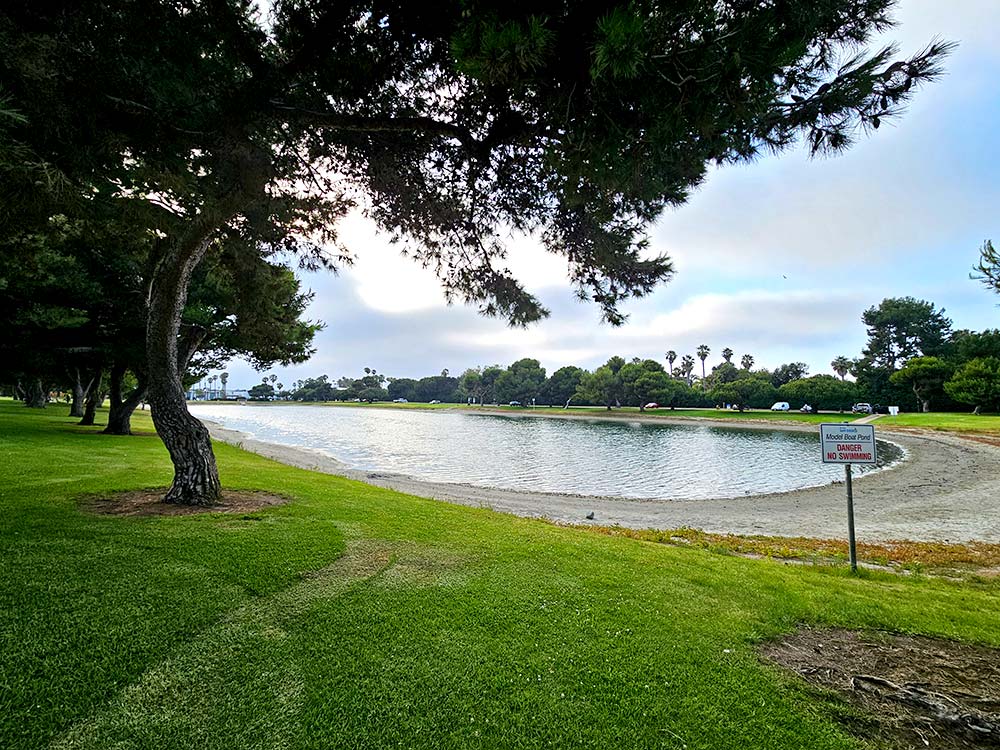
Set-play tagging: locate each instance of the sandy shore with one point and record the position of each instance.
(947, 489)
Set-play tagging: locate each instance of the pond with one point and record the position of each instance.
(615, 458)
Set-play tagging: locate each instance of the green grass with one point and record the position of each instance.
(358, 617)
(951, 422)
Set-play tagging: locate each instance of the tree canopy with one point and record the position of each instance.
(977, 383)
(522, 381)
(925, 376)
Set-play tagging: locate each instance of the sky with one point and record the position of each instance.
(778, 258)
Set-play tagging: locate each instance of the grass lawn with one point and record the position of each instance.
(357, 617)
(952, 422)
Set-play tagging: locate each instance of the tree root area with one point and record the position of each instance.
(909, 691)
(149, 502)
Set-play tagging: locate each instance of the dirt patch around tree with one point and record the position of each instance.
(911, 691)
(149, 502)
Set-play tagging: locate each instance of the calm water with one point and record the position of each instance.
(589, 457)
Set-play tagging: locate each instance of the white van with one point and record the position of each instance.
(780, 406)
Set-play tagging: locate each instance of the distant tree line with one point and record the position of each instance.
(913, 359)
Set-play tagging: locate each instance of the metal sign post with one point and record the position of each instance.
(848, 444)
(852, 545)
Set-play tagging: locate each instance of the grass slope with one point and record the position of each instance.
(946, 421)
(359, 617)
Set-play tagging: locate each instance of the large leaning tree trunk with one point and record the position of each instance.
(120, 406)
(196, 476)
(242, 175)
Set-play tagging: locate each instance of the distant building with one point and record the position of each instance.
(194, 393)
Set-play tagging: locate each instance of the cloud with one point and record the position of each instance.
(755, 318)
(383, 278)
(389, 282)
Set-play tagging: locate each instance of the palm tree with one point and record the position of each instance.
(841, 365)
(224, 377)
(747, 361)
(273, 379)
(703, 352)
(671, 356)
(727, 354)
(687, 366)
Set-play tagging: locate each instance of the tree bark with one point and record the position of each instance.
(196, 476)
(80, 391)
(243, 172)
(925, 404)
(36, 396)
(120, 411)
(94, 397)
(79, 396)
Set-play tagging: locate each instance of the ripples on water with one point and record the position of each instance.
(589, 457)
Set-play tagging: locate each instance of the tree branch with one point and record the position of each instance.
(360, 124)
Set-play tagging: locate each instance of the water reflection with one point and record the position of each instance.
(589, 457)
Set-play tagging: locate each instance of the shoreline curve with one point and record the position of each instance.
(945, 489)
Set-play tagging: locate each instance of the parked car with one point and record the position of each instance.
(400, 401)
(435, 401)
(651, 405)
(780, 406)
(861, 409)
(514, 403)
(807, 409)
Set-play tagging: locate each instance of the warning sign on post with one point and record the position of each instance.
(847, 443)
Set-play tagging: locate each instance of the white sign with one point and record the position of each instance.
(847, 443)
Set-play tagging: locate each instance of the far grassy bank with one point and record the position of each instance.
(946, 421)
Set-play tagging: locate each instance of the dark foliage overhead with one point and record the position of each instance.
(450, 123)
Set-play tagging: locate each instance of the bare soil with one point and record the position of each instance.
(149, 502)
(910, 691)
